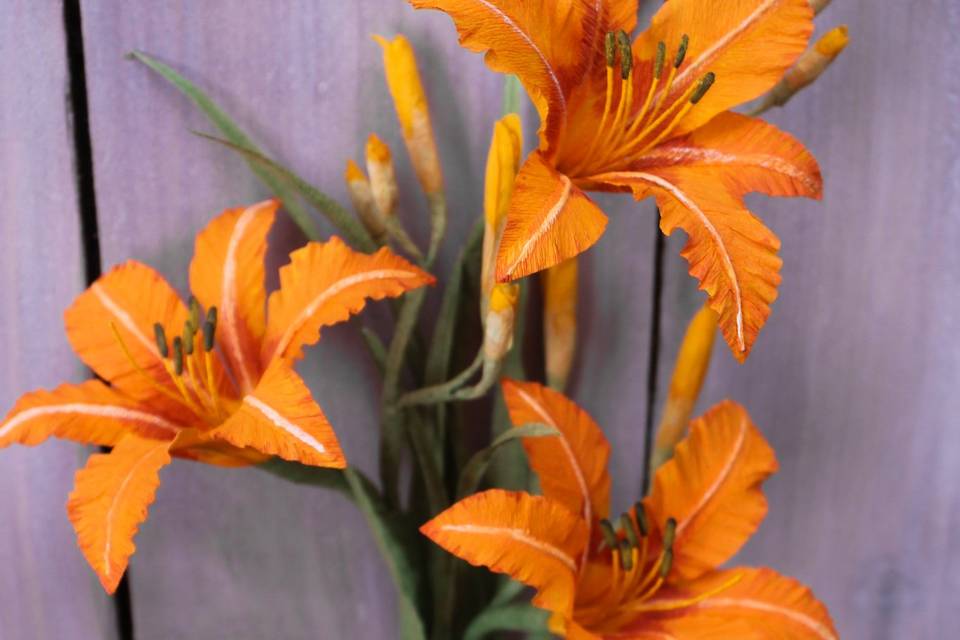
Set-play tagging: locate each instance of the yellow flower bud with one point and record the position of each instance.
(362, 198)
(383, 177)
(410, 101)
(560, 285)
(503, 163)
(688, 375)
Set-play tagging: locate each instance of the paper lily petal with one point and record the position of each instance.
(572, 467)
(761, 604)
(88, 413)
(325, 283)
(110, 500)
(748, 44)
(550, 220)
(533, 539)
(227, 272)
(730, 251)
(281, 418)
(131, 297)
(712, 488)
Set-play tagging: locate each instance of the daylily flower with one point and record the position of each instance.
(222, 391)
(650, 116)
(655, 575)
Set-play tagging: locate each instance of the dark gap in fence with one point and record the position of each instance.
(87, 205)
(656, 304)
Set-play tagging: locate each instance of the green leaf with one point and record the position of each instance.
(473, 472)
(513, 617)
(235, 135)
(305, 474)
(397, 549)
(346, 223)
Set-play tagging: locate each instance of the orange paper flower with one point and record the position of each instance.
(222, 391)
(656, 575)
(651, 117)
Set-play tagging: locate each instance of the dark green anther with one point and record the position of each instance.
(194, 318)
(178, 355)
(189, 337)
(626, 523)
(210, 329)
(666, 563)
(209, 332)
(682, 51)
(626, 54)
(161, 338)
(669, 533)
(626, 555)
(661, 56)
(641, 515)
(705, 83)
(609, 535)
(610, 48)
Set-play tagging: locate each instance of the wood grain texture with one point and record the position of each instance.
(46, 589)
(237, 553)
(854, 379)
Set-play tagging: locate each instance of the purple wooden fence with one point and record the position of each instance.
(853, 378)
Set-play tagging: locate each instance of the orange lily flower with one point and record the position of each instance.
(651, 116)
(223, 391)
(656, 575)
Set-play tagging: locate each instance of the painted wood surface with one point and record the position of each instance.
(46, 589)
(854, 378)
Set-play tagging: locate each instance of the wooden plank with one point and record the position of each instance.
(236, 553)
(854, 377)
(46, 588)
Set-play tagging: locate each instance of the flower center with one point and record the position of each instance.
(190, 378)
(633, 126)
(636, 576)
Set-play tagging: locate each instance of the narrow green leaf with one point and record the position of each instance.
(235, 135)
(508, 590)
(513, 617)
(473, 472)
(307, 475)
(346, 223)
(398, 552)
(376, 347)
(438, 359)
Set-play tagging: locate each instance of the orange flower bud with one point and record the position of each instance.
(410, 101)
(809, 67)
(362, 198)
(383, 177)
(503, 163)
(560, 285)
(688, 375)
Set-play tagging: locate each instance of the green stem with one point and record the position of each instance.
(444, 392)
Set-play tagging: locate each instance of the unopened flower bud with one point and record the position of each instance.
(560, 320)
(362, 198)
(690, 369)
(410, 101)
(808, 68)
(503, 163)
(383, 177)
